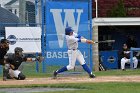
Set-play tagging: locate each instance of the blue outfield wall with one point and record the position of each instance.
(58, 16)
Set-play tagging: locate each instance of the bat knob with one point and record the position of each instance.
(94, 42)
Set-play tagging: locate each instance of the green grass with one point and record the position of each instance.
(102, 88)
(29, 70)
(118, 72)
(110, 87)
(40, 74)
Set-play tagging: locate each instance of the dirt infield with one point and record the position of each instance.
(69, 79)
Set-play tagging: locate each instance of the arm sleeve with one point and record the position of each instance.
(73, 39)
(77, 37)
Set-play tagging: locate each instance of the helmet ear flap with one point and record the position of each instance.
(68, 30)
(67, 33)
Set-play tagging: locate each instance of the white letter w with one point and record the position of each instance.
(69, 20)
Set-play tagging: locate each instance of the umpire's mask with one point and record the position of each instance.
(5, 44)
(18, 51)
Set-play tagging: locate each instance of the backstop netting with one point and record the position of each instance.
(51, 16)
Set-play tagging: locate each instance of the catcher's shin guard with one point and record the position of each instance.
(5, 74)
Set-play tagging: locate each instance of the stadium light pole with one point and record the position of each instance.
(22, 11)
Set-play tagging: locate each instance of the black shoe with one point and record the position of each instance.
(4, 78)
(92, 76)
(54, 75)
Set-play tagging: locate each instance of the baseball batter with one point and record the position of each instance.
(72, 40)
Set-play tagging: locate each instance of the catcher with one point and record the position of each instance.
(14, 61)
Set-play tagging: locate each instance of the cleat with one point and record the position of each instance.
(54, 75)
(92, 76)
(123, 70)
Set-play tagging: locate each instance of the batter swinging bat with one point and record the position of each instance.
(106, 41)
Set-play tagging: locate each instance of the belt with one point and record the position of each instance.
(72, 49)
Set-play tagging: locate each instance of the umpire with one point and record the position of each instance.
(4, 47)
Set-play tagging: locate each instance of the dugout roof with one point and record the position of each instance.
(116, 21)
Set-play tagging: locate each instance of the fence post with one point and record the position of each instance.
(131, 58)
(37, 66)
(42, 36)
(1, 68)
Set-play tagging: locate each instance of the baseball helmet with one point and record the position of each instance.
(68, 30)
(18, 49)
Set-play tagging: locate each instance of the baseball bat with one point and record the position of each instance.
(106, 41)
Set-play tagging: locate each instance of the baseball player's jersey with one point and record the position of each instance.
(16, 61)
(72, 41)
(73, 52)
(3, 52)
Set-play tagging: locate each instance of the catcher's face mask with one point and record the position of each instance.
(18, 51)
(5, 44)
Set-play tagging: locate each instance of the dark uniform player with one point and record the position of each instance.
(4, 47)
(126, 57)
(15, 60)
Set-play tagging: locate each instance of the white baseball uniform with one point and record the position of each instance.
(72, 40)
(73, 52)
(125, 60)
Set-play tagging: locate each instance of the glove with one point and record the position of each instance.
(39, 58)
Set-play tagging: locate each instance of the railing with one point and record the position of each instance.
(131, 56)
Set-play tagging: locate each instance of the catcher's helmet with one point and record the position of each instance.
(68, 30)
(18, 49)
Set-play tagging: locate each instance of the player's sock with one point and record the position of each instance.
(86, 68)
(62, 69)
